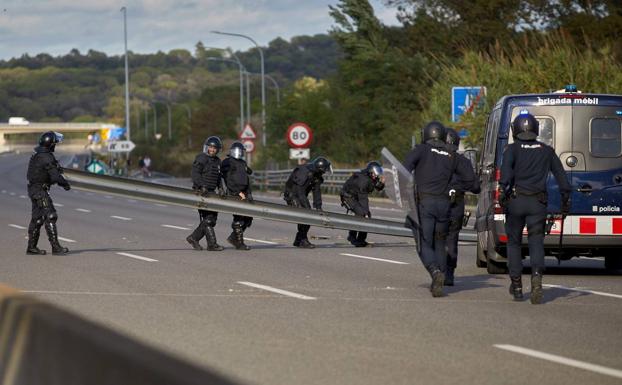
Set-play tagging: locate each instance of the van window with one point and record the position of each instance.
(547, 127)
(606, 137)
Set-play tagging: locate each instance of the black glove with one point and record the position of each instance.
(67, 187)
(565, 204)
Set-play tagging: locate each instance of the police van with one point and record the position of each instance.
(586, 132)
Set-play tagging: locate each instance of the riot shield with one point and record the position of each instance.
(401, 188)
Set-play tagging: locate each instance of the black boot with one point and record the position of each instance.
(237, 238)
(352, 237)
(57, 249)
(33, 239)
(305, 244)
(438, 280)
(449, 276)
(212, 245)
(516, 288)
(536, 287)
(361, 239)
(193, 242)
(297, 239)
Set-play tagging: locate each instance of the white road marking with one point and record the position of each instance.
(562, 360)
(12, 194)
(176, 227)
(59, 205)
(4, 191)
(83, 210)
(260, 241)
(121, 218)
(17, 226)
(132, 200)
(66, 240)
(374, 259)
(108, 196)
(161, 205)
(275, 290)
(585, 291)
(137, 257)
(23, 196)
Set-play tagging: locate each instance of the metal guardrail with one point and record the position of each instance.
(275, 179)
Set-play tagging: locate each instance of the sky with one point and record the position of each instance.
(57, 26)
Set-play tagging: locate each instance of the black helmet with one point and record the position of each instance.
(322, 164)
(525, 126)
(237, 150)
(212, 141)
(49, 139)
(453, 139)
(434, 131)
(374, 169)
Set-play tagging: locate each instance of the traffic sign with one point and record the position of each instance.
(299, 153)
(299, 135)
(121, 146)
(465, 100)
(249, 145)
(248, 132)
(96, 167)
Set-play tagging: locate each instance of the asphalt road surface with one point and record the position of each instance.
(332, 315)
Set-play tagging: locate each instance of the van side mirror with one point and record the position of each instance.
(471, 155)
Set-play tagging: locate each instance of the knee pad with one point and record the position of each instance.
(39, 221)
(210, 221)
(237, 225)
(52, 217)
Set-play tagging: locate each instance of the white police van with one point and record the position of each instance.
(586, 132)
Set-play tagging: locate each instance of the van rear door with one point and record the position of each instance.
(595, 168)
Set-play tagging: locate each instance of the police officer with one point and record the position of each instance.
(236, 176)
(206, 178)
(43, 172)
(354, 196)
(457, 188)
(524, 171)
(301, 181)
(434, 167)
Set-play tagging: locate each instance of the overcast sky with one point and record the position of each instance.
(57, 26)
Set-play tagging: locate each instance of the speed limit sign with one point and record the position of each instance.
(249, 145)
(299, 135)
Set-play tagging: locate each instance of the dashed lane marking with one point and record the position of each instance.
(121, 218)
(374, 259)
(83, 210)
(132, 200)
(260, 241)
(562, 360)
(66, 240)
(12, 194)
(17, 226)
(176, 227)
(275, 290)
(161, 205)
(59, 205)
(108, 196)
(137, 257)
(584, 291)
(23, 196)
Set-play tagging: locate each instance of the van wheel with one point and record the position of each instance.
(494, 267)
(480, 257)
(613, 262)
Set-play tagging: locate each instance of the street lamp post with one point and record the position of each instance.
(189, 111)
(242, 70)
(127, 76)
(263, 83)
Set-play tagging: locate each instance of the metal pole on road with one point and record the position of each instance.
(127, 77)
(263, 83)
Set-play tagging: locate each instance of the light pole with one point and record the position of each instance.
(263, 83)
(127, 76)
(189, 111)
(276, 87)
(241, 85)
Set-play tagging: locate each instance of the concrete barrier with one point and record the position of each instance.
(43, 344)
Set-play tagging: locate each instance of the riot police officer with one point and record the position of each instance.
(236, 176)
(524, 171)
(43, 172)
(354, 196)
(457, 188)
(301, 181)
(206, 178)
(434, 167)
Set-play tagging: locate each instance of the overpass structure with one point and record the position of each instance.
(31, 128)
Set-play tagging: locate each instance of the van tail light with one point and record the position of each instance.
(497, 175)
(496, 193)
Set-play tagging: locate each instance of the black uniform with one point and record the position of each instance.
(458, 186)
(206, 178)
(236, 176)
(524, 171)
(43, 172)
(354, 196)
(301, 181)
(434, 167)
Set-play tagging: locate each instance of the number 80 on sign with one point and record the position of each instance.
(299, 135)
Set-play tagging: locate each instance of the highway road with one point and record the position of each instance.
(331, 315)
